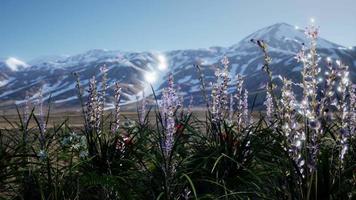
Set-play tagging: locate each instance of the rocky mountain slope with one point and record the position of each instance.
(134, 69)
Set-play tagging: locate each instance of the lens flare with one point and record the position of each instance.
(150, 77)
(162, 62)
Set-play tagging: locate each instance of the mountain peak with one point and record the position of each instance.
(282, 25)
(283, 36)
(277, 31)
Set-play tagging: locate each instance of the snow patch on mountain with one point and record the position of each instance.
(6, 81)
(15, 64)
(130, 69)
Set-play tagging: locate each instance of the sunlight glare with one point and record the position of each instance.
(150, 77)
(162, 62)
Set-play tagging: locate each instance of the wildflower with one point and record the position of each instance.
(239, 100)
(224, 85)
(300, 57)
(352, 108)
(142, 111)
(215, 104)
(245, 115)
(231, 109)
(269, 106)
(101, 106)
(169, 104)
(93, 114)
(310, 104)
(312, 32)
(219, 94)
(117, 97)
(343, 108)
(295, 138)
(288, 107)
(328, 93)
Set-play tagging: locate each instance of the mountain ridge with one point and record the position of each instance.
(129, 68)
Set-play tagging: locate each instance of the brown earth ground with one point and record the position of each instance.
(75, 117)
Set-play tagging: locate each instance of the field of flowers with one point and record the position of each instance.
(302, 146)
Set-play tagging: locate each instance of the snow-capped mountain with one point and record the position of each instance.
(54, 73)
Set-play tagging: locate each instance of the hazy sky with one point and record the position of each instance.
(32, 28)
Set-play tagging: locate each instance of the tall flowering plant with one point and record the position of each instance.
(142, 109)
(103, 144)
(93, 106)
(117, 109)
(306, 123)
(219, 93)
(168, 106)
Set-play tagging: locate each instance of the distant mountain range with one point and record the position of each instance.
(131, 69)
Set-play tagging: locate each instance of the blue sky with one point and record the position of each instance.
(33, 28)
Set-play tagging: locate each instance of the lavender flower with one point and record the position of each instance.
(343, 108)
(310, 74)
(231, 109)
(169, 104)
(328, 92)
(245, 116)
(219, 94)
(117, 97)
(295, 138)
(239, 100)
(170, 130)
(224, 85)
(312, 32)
(310, 104)
(142, 110)
(93, 110)
(269, 105)
(101, 106)
(352, 108)
(215, 104)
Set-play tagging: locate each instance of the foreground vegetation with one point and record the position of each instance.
(302, 147)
